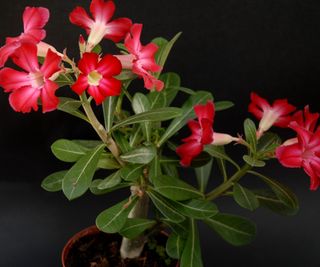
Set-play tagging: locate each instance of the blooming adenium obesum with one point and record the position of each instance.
(136, 150)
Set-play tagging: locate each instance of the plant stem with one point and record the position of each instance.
(132, 248)
(98, 127)
(229, 183)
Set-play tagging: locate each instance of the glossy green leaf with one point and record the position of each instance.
(201, 97)
(218, 152)
(161, 43)
(140, 155)
(170, 170)
(160, 114)
(126, 75)
(97, 49)
(135, 227)
(267, 145)
(94, 187)
(155, 169)
(121, 141)
(131, 172)
(203, 174)
(53, 182)
(175, 189)
(281, 191)
(140, 104)
(78, 179)
(113, 219)
(250, 131)
(253, 162)
(165, 207)
(109, 106)
(235, 230)
(223, 105)
(171, 82)
(180, 228)
(245, 198)
(175, 245)
(107, 162)
(197, 208)
(71, 106)
(68, 151)
(191, 255)
(64, 79)
(87, 144)
(111, 181)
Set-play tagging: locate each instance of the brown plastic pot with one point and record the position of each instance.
(92, 230)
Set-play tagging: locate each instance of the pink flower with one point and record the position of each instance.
(100, 26)
(141, 58)
(303, 154)
(27, 87)
(34, 19)
(97, 76)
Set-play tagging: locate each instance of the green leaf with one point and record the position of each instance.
(175, 245)
(155, 169)
(200, 97)
(170, 170)
(235, 230)
(94, 187)
(68, 151)
(203, 175)
(131, 172)
(267, 145)
(140, 104)
(191, 255)
(71, 106)
(161, 43)
(201, 160)
(135, 227)
(111, 181)
(126, 75)
(107, 162)
(218, 152)
(250, 131)
(281, 191)
(165, 207)
(140, 155)
(175, 189)
(171, 82)
(223, 105)
(109, 106)
(180, 228)
(53, 182)
(245, 198)
(87, 144)
(64, 79)
(253, 162)
(160, 114)
(113, 219)
(78, 178)
(97, 49)
(197, 208)
(121, 141)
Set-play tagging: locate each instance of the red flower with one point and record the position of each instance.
(141, 58)
(201, 133)
(100, 26)
(34, 19)
(97, 76)
(278, 114)
(27, 87)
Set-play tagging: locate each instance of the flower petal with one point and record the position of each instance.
(96, 93)
(132, 41)
(117, 29)
(207, 131)
(196, 132)
(102, 11)
(205, 111)
(11, 79)
(88, 63)
(24, 99)
(51, 64)
(188, 152)
(110, 86)
(109, 66)
(290, 156)
(79, 17)
(80, 85)
(48, 98)
(34, 19)
(26, 57)
(7, 50)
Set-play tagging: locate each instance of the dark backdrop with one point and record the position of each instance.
(228, 46)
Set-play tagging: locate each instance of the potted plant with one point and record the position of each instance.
(138, 148)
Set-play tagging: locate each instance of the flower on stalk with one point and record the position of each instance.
(100, 26)
(201, 134)
(97, 75)
(278, 114)
(305, 153)
(34, 19)
(27, 87)
(141, 59)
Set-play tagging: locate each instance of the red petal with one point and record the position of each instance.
(96, 93)
(207, 131)
(80, 17)
(80, 85)
(150, 82)
(195, 132)
(283, 107)
(7, 50)
(34, 19)
(26, 57)
(24, 99)
(205, 111)
(132, 41)
(11, 79)
(117, 29)
(311, 170)
(88, 63)
(259, 101)
(48, 98)
(304, 135)
(283, 122)
(110, 87)
(290, 156)
(102, 11)
(109, 66)
(51, 64)
(188, 151)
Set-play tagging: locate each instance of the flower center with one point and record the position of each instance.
(94, 78)
(37, 79)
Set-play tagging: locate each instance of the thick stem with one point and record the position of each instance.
(132, 248)
(229, 183)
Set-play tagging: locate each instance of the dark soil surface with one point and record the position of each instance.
(103, 250)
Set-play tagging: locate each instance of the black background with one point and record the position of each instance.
(230, 47)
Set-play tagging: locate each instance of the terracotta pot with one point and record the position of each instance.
(92, 230)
